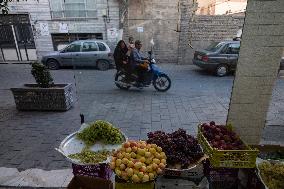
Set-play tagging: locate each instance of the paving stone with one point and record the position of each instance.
(28, 139)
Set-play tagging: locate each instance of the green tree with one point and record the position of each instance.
(4, 5)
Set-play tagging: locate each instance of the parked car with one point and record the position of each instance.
(81, 53)
(221, 57)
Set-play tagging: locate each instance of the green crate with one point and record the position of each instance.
(228, 158)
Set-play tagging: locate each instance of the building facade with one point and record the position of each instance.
(38, 27)
(221, 7)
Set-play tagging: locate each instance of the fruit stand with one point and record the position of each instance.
(217, 159)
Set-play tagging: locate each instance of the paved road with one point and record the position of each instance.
(28, 139)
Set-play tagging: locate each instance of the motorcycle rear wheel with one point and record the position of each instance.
(120, 77)
(162, 83)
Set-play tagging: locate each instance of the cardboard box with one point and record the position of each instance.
(179, 183)
(121, 184)
(83, 182)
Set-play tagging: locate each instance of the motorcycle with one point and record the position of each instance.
(153, 75)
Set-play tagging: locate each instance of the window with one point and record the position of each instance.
(73, 8)
(102, 47)
(89, 46)
(75, 47)
(61, 40)
(214, 47)
(233, 49)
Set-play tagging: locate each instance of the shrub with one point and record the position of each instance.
(41, 75)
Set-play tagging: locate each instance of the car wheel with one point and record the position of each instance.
(52, 64)
(222, 70)
(103, 65)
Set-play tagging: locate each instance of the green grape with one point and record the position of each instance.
(101, 131)
(272, 174)
(87, 156)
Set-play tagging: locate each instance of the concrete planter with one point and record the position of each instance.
(31, 97)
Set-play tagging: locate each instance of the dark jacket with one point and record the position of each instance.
(119, 56)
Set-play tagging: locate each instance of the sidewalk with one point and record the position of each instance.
(28, 139)
(11, 177)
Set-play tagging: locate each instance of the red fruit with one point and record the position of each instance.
(224, 146)
(227, 138)
(229, 147)
(212, 123)
(217, 137)
(218, 130)
(215, 144)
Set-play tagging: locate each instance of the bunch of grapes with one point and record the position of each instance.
(101, 131)
(181, 149)
(272, 174)
(90, 157)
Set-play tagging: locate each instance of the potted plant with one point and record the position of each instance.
(44, 95)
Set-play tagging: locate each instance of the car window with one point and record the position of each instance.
(74, 47)
(89, 46)
(214, 46)
(102, 47)
(233, 48)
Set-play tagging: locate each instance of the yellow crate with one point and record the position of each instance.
(228, 158)
(120, 184)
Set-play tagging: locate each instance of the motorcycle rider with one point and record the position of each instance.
(136, 61)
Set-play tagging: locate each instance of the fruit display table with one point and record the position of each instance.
(217, 159)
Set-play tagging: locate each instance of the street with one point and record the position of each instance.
(28, 139)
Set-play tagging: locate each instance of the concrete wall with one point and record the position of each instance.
(40, 13)
(159, 20)
(258, 64)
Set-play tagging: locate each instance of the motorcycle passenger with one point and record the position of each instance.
(120, 55)
(137, 60)
(130, 46)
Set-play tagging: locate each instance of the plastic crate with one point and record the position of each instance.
(99, 170)
(228, 158)
(121, 184)
(221, 178)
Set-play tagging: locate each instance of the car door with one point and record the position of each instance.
(103, 51)
(69, 55)
(89, 53)
(222, 56)
(233, 54)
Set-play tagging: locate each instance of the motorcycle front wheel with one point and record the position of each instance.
(120, 81)
(162, 83)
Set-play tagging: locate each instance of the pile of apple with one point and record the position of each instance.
(220, 137)
(138, 161)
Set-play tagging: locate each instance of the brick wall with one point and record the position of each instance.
(203, 30)
(162, 19)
